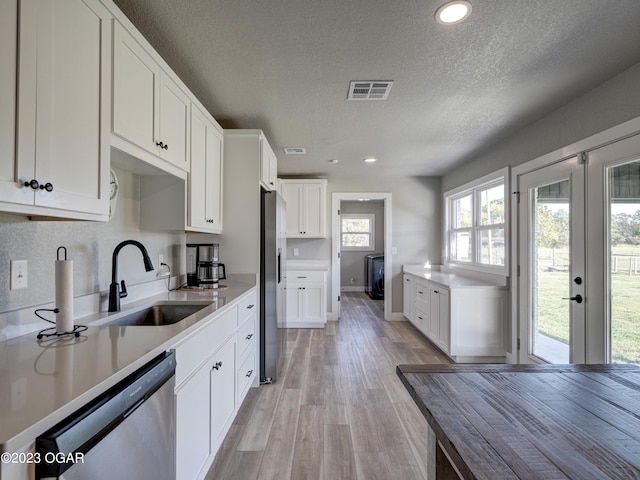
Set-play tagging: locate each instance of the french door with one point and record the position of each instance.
(579, 257)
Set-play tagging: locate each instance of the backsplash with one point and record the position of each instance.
(89, 244)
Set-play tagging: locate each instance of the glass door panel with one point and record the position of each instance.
(551, 315)
(624, 261)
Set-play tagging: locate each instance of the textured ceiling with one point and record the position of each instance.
(285, 65)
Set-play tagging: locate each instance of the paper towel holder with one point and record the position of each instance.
(52, 332)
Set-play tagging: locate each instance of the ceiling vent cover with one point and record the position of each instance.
(370, 90)
(295, 150)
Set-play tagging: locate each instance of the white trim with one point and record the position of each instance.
(372, 232)
(353, 289)
(336, 198)
(470, 188)
(593, 142)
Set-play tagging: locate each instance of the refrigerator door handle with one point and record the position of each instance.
(279, 265)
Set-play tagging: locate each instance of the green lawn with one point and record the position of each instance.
(625, 288)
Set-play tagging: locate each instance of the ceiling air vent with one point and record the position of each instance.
(369, 90)
(295, 150)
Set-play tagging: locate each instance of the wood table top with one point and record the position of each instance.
(532, 421)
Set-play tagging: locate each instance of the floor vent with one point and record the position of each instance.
(295, 150)
(369, 90)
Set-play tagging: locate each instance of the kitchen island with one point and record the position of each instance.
(529, 421)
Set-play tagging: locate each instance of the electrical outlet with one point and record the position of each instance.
(160, 260)
(19, 275)
(296, 252)
(353, 281)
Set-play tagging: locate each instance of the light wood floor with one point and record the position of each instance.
(338, 410)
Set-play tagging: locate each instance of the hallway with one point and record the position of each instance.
(338, 409)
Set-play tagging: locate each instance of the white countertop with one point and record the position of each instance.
(446, 279)
(45, 381)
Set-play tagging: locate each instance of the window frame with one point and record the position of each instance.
(475, 189)
(372, 232)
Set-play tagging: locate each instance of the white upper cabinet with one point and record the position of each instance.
(62, 157)
(205, 177)
(268, 166)
(10, 190)
(305, 206)
(150, 110)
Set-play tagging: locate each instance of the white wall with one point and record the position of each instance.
(606, 106)
(416, 213)
(89, 244)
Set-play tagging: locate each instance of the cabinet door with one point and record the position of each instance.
(408, 297)
(313, 209)
(291, 193)
(205, 176)
(10, 190)
(213, 190)
(135, 92)
(223, 388)
(444, 319)
(313, 303)
(268, 166)
(294, 302)
(174, 123)
(434, 314)
(63, 102)
(192, 424)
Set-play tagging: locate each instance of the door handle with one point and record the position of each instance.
(577, 298)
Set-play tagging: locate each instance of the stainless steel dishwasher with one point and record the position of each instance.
(127, 432)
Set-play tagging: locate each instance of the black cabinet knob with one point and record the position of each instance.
(33, 184)
(47, 186)
(217, 366)
(162, 145)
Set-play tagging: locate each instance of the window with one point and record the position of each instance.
(476, 232)
(357, 231)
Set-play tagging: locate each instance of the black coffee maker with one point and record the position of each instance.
(203, 268)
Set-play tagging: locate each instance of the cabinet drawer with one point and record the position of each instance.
(422, 291)
(246, 374)
(421, 318)
(246, 335)
(196, 349)
(247, 306)
(304, 276)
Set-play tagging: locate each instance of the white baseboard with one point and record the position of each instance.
(352, 289)
(397, 317)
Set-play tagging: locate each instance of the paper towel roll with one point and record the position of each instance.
(64, 295)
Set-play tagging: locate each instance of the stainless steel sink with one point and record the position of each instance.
(158, 314)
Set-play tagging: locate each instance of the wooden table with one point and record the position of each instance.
(530, 421)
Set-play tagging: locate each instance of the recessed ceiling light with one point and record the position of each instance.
(369, 160)
(453, 12)
(335, 160)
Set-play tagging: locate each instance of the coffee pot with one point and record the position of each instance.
(203, 268)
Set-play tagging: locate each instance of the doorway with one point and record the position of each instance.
(378, 204)
(579, 258)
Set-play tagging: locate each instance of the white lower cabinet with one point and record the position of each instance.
(306, 299)
(223, 391)
(408, 296)
(468, 323)
(215, 368)
(192, 425)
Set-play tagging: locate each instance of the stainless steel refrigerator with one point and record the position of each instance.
(272, 282)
